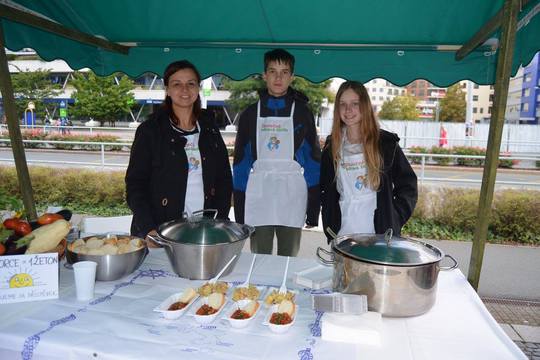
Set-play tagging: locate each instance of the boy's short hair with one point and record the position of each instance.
(279, 55)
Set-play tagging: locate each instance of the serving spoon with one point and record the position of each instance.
(214, 279)
(283, 288)
(246, 283)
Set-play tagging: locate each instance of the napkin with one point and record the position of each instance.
(357, 329)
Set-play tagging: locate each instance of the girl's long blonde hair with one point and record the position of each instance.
(369, 133)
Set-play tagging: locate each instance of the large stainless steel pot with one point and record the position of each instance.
(198, 247)
(398, 275)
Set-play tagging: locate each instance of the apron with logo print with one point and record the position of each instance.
(357, 201)
(195, 187)
(276, 192)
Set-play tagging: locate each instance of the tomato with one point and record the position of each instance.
(23, 228)
(240, 315)
(11, 223)
(206, 310)
(48, 218)
(280, 319)
(2, 249)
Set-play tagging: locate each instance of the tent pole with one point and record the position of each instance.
(504, 68)
(17, 147)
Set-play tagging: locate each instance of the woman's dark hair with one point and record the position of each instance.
(169, 71)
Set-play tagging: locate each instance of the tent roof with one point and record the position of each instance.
(393, 39)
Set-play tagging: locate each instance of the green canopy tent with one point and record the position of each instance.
(441, 41)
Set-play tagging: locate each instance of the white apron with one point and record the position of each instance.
(357, 201)
(276, 192)
(195, 188)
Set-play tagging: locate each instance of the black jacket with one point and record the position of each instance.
(156, 177)
(396, 197)
(307, 151)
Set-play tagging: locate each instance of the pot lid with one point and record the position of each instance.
(202, 231)
(386, 249)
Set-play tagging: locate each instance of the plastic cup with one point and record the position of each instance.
(85, 278)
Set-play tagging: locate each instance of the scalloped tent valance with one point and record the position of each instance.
(392, 39)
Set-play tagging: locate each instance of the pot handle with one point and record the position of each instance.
(450, 267)
(158, 240)
(323, 260)
(203, 211)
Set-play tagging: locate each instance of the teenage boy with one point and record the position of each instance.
(277, 162)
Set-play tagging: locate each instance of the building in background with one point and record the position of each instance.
(380, 91)
(530, 93)
(149, 91)
(513, 102)
(428, 96)
(481, 100)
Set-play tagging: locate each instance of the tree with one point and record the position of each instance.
(102, 98)
(399, 108)
(34, 86)
(453, 105)
(245, 92)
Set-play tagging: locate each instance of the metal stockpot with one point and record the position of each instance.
(398, 275)
(199, 247)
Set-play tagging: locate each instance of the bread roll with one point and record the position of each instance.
(187, 295)
(94, 243)
(287, 307)
(251, 307)
(216, 300)
(109, 249)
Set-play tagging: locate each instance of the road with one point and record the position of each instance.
(457, 176)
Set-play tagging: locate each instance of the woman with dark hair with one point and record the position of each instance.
(367, 183)
(179, 162)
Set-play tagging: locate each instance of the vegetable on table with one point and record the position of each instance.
(45, 238)
(48, 218)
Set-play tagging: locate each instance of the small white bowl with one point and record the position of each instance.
(279, 329)
(163, 308)
(206, 319)
(240, 323)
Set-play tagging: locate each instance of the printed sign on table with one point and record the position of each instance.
(28, 277)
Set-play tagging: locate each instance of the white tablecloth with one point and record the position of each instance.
(120, 324)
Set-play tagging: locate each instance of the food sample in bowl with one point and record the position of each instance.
(175, 305)
(207, 289)
(111, 245)
(215, 302)
(209, 308)
(184, 300)
(275, 297)
(246, 311)
(241, 293)
(282, 316)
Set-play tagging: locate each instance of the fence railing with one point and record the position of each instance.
(424, 157)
